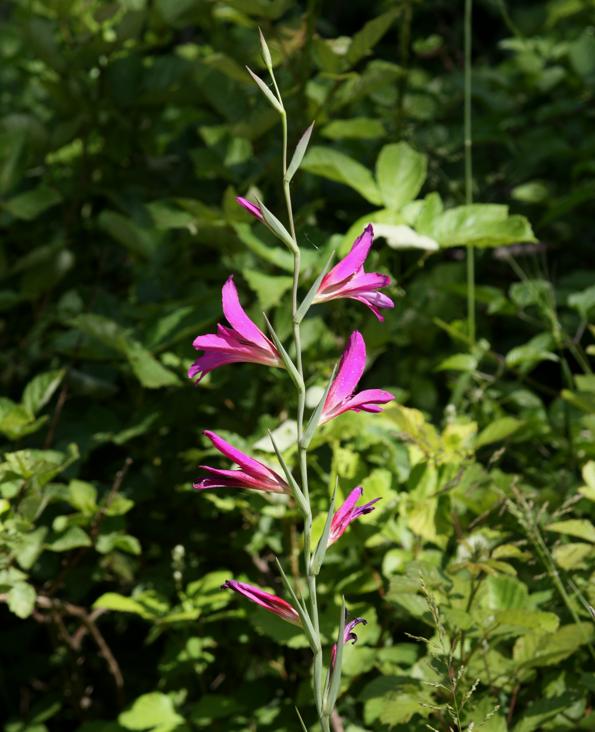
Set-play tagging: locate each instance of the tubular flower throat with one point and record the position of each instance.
(252, 473)
(348, 278)
(341, 397)
(348, 512)
(348, 635)
(243, 342)
(272, 603)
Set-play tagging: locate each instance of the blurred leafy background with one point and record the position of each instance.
(126, 130)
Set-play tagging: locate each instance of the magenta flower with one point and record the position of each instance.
(269, 602)
(348, 635)
(341, 397)
(348, 278)
(243, 342)
(252, 474)
(348, 512)
(252, 208)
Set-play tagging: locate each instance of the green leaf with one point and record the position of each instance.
(31, 204)
(538, 649)
(118, 540)
(479, 225)
(572, 556)
(400, 172)
(83, 496)
(498, 430)
(337, 166)
(73, 538)
(581, 528)
(299, 153)
(268, 93)
(458, 362)
(154, 711)
(140, 241)
(40, 390)
(268, 288)
(583, 302)
(122, 604)
(147, 369)
(21, 599)
(527, 356)
(505, 593)
(357, 128)
(365, 39)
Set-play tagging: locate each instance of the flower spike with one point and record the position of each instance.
(252, 474)
(243, 342)
(276, 605)
(348, 512)
(341, 397)
(348, 278)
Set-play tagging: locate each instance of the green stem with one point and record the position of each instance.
(469, 172)
(302, 451)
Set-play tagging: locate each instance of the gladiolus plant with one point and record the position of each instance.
(242, 340)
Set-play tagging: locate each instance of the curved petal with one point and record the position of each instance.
(238, 319)
(367, 398)
(343, 513)
(210, 361)
(353, 261)
(266, 600)
(235, 479)
(250, 465)
(250, 207)
(351, 368)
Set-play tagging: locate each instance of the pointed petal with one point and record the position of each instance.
(343, 513)
(266, 600)
(250, 207)
(353, 261)
(235, 479)
(351, 368)
(250, 465)
(238, 319)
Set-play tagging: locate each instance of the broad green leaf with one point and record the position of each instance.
(498, 430)
(337, 166)
(147, 369)
(40, 390)
(21, 599)
(479, 225)
(572, 556)
(505, 593)
(73, 538)
(122, 604)
(539, 649)
(154, 711)
(118, 540)
(527, 356)
(458, 362)
(583, 302)
(31, 204)
(357, 128)
(581, 528)
(400, 173)
(83, 496)
(399, 236)
(268, 288)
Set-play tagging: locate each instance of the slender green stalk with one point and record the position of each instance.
(302, 449)
(469, 172)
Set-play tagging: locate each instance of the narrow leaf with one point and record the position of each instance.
(320, 552)
(297, 711)
(264, 49)
(307, 301)
(266, 91)
(315, 417)
(297, 493)
(336, 674)
(304, 617)
(298, 155)
(289, 365)
(277, 227)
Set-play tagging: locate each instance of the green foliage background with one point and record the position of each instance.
(126, 130)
